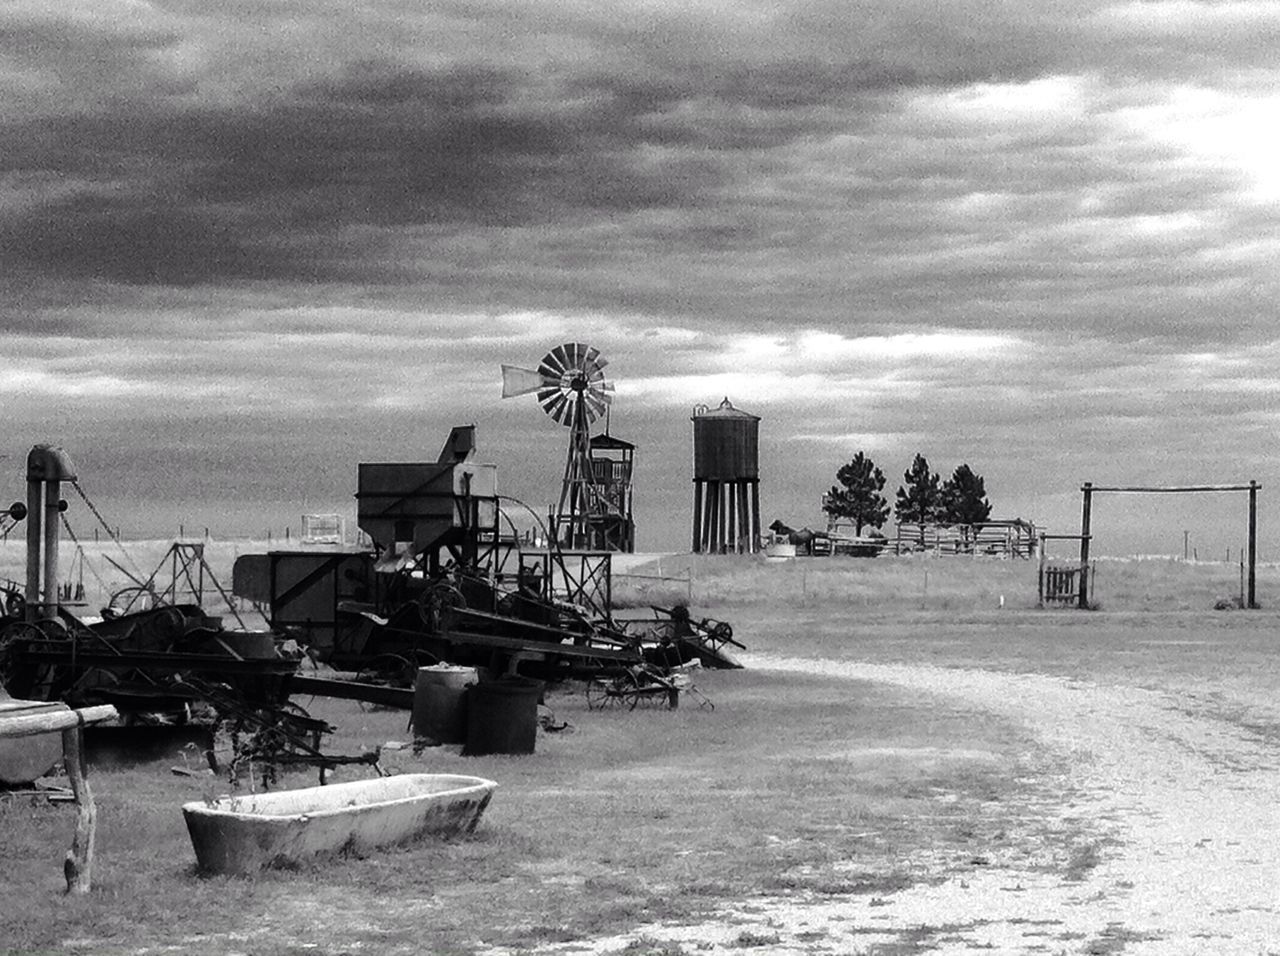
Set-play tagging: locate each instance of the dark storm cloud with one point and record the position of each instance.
(198, 195)
(174, 184)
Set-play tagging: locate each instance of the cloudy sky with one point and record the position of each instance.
(249, 244)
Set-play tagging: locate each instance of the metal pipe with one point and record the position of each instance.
(49, 608)
(34, 514)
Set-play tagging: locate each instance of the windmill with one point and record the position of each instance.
(570, 386)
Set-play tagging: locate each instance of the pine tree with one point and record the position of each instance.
(858, 496)
(964, 499)
(919, 500)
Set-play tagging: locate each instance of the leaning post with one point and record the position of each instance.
(1085, 515)
(1253, 543)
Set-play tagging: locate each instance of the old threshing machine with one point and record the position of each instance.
(442, 582)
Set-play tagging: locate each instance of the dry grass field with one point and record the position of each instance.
(906, 766)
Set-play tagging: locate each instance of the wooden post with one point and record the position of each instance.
(78, 866)
(1253, 543)
(730, 520)
(1085, 517)
(755, 514)
(713, 517)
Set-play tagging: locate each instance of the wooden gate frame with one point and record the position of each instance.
(1041, 539)
(1089, 488)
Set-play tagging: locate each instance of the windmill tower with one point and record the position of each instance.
(594, 511)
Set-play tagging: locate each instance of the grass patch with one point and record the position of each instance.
(632, 817)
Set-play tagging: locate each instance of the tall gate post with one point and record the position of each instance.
(1084, 544)
(1253, 542)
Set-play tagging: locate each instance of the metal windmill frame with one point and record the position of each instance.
(571, 388)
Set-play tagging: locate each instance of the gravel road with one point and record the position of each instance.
(1186, 806)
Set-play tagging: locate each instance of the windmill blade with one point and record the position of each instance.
(521, 381)
(560, 358)
(553, 402)
(603, 389)
(552, 364)
(566, 410)
(593, 362)
(550, 396)
(595, 405)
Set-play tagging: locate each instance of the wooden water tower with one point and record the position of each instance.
(726, 480)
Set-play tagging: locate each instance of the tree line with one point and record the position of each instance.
(923, 498)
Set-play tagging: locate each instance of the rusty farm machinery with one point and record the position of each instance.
(161, 663)
(440, 581)
(443, 583)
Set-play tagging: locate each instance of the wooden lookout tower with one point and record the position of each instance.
(612, 528)
(726, 480)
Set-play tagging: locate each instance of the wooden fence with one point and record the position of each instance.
(1007, 539)
(1059, 585)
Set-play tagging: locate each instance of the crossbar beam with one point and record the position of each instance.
(1088, 489)
(1164, 489)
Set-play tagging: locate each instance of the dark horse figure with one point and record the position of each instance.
(803, 538)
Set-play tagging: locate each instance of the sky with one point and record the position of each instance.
(247, 245)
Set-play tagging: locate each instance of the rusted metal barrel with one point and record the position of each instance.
(439, 703)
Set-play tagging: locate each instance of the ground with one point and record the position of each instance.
(1176, 781)
(1045, 782)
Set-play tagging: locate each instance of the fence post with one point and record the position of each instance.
(1085, 514)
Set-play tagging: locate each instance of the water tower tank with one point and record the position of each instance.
(726, 443)
(726, 476)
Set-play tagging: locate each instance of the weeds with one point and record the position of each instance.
(648, 946)
(748, 939)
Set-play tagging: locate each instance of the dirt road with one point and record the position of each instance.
(1184, 803)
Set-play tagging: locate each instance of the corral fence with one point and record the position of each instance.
(1006, 539)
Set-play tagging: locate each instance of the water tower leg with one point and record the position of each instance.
(697, 516)
(755, 514)
(717, 519)
(713, 516)
(732, 518)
